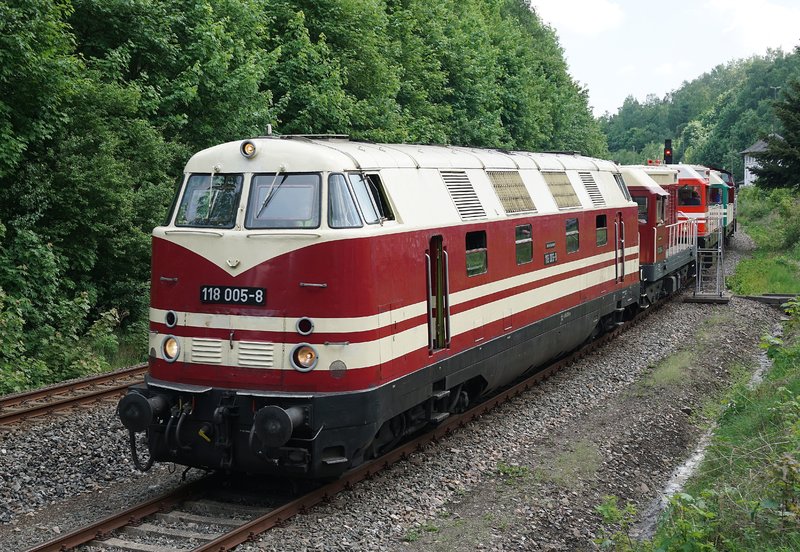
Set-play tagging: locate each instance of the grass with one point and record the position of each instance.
(670, 370)
(746, 493)
(579, 463)
(767, 272)
(772, 220)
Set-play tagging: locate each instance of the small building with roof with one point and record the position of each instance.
(750, 161)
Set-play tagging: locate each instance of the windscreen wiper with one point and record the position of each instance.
(270, 193)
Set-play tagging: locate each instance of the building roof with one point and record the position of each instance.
(759, 146)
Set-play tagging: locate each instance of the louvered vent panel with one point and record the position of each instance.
(257, 354)
(562, 190)
(463, 194)
(511, 191)
(591, 187)
(206, 351)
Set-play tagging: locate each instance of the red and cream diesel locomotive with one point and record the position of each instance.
(315, 300)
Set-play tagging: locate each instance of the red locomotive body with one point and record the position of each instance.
(316, 300)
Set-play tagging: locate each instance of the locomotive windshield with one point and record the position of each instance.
(210, 201)
(284, 201)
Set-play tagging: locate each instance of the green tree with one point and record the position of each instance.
(36, 66)
(780, 163)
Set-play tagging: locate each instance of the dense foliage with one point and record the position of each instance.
(103, 101)
(710, 119)
(779, 165)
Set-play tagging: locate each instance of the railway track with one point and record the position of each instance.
(23, 406)
(194, 517)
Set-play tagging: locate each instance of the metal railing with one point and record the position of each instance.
(713, 219)
(680, 237)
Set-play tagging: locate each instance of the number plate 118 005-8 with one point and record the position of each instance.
(229, 295)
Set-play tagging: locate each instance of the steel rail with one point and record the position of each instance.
(14, 408)
(131, 516)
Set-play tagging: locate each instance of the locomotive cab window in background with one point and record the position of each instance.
(210, 201)
(642, 203)
(342, 211)
(573, 239)
(688, 195)
(602, 230)
(477, 261)
(371, 197)
(284, 201)
(524, 242)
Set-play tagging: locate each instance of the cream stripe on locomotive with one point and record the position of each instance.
(372, 353)
(372, 322)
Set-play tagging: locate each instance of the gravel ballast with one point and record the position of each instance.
(524, 477)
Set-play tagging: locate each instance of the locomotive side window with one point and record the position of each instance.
(284, 201)
(477, 261)
(524, 241)
(642, 203)
(602, 230)
(371, 197)
(622, 187)
(342, 211)
(661, 209)
(573, 238)
(210, 201)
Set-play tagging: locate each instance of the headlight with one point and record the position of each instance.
(304, 357)
(170, 348)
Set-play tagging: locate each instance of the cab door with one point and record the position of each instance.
(619, 247)
(438, 284)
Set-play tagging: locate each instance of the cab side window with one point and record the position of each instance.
(601, 230)
(371, 197)
(573, 237)
(342, 211)
(477, 254)
(523, 237)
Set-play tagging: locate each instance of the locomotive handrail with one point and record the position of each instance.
(429, 287)
(681, 236)
(616, 250)
(195, 232)
(284, 235)
(446, 296)
(622, 248)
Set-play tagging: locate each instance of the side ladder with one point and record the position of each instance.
(710, 277)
